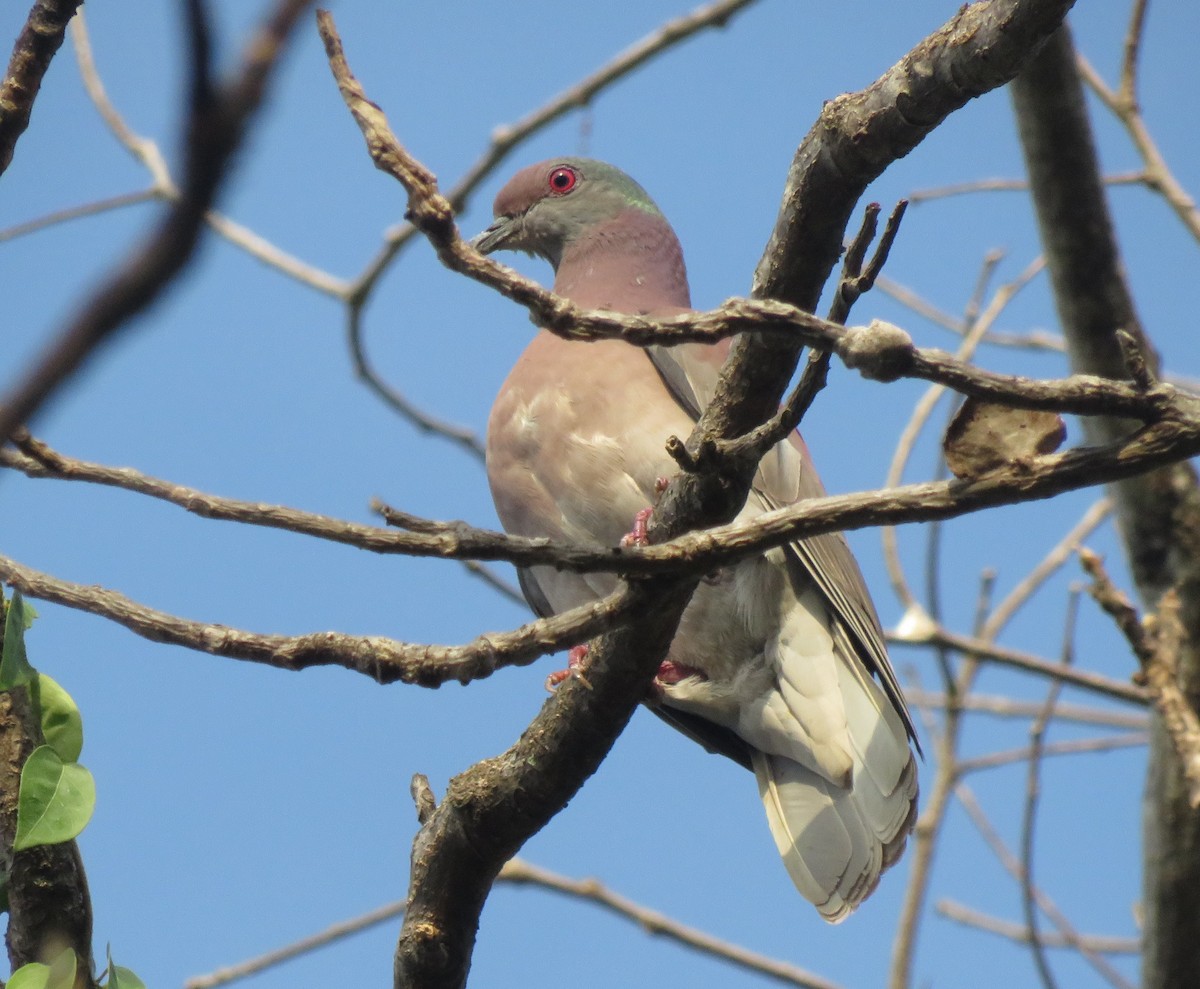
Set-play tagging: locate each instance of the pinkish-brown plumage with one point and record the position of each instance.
(773, 660)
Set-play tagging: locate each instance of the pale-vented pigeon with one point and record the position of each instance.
(779, 661)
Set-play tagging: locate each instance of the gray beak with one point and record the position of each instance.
(493, 238)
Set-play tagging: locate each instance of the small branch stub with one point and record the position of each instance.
(880, 352)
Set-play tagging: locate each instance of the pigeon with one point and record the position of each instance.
(779, 660)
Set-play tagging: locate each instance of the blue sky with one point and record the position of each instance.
(240, 807)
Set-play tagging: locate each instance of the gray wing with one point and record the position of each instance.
(785, 476)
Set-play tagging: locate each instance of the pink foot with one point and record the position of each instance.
(575, 660)
(638, 536)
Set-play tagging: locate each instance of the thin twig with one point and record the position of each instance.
(77, 212)
(1097, 943)
(1050, 564)
(987, 650)
(518, 871)
(918, 196)
(920, 417)
(321, 939)
(1037, 744)
(1074, 746)
(1124, 106)
(1012, 866)
(495, 582)
(423, 421)
(1010, 707)
(218, 117)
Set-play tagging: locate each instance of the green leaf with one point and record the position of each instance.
(120, 977)
(55, 801)
(15, 670)
(61, 974)
(62, 725)
(30, 976)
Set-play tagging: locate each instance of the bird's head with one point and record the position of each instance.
(548, 206)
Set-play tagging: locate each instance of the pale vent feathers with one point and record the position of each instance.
(836, 841)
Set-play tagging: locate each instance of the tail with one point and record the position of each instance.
(837, 840)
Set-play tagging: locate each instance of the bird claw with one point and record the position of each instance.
(575, 660)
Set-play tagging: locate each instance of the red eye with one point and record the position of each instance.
(562, 180)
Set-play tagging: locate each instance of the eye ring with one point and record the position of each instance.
(562, 180)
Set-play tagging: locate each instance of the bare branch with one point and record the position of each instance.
(1133, 47)
(217, 121)
(1009, 707)
(1051, 563)
(462, 436)
(506, 137)
(33, 51)
(696, 552)
(1075, 746)
(518, 871)
(334, 932)
(1037, 744)
(984, 649)
(1013, 867)
(77, 212)
(384, 660)
(1157, 642)
(1123, 103)
(1096, 943)
(918, 196)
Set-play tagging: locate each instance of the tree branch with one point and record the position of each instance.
(1158, 514)
(215, 126)
(384, 660)
(49, 905)
(35, 47)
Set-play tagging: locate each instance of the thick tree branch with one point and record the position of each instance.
(49, 906)
(1158, 514)
(36, 45)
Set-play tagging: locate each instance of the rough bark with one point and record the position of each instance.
(49, 905)
(1158, 513)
